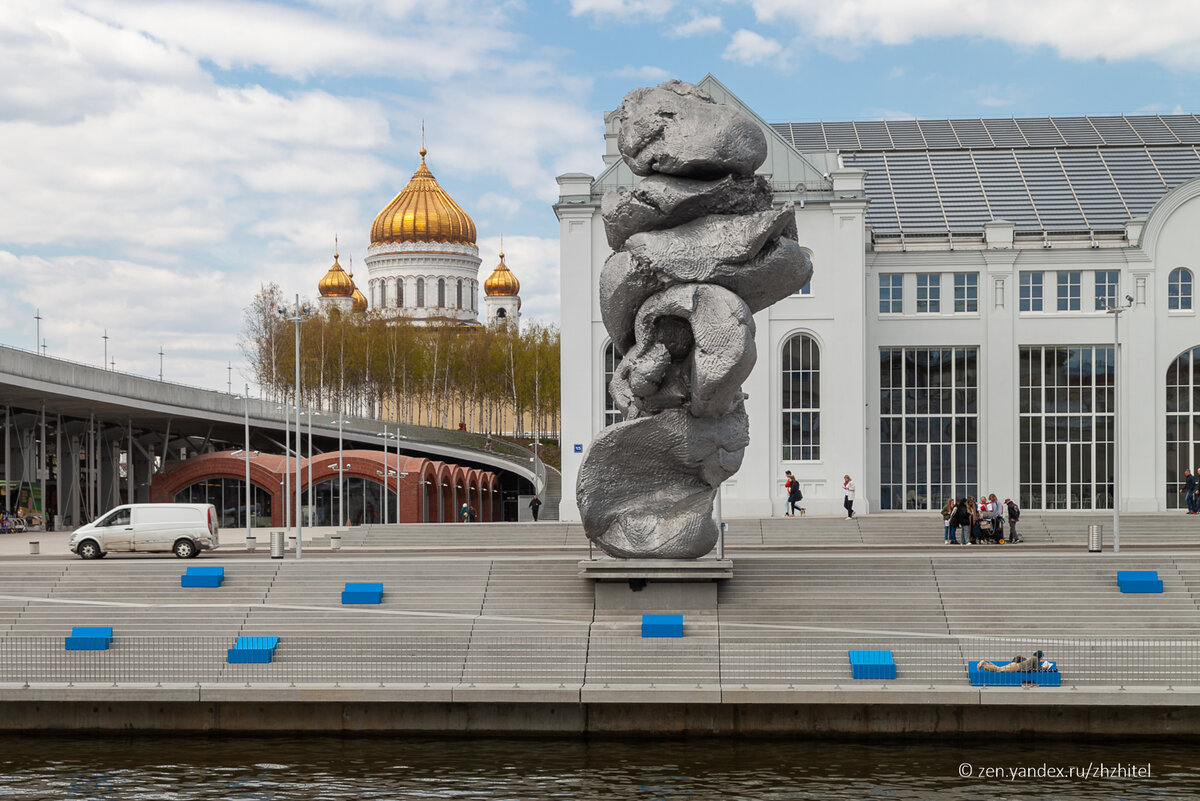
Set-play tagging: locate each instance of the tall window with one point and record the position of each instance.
(400, 293)
(361, 503)
(1066, 427)
(806, 289)
(458, 299)
(801, 399)
(1179, 289)
(611, 413)
(1031, 291)
(420, 293)
(928, 426)
(1106, 289)
(229, 496)
(929, 293)
(441, 293)
(891, 293)
(966, 292)
(1068, 290)
(1183, 422)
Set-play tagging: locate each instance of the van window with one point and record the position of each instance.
(117, 518)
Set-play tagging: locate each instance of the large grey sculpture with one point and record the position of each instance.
(699, 247)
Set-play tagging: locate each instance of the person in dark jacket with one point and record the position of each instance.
(534, 505)
(1014, 514)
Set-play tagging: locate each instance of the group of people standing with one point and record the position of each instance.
(980, 520)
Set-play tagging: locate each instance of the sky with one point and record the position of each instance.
(161, 162)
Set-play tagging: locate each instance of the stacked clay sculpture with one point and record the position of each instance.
(699, 248)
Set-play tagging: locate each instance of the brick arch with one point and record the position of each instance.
(369, 465)
(490, 489)
(266, 473)
(443, 480)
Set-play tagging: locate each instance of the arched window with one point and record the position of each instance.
(420, 293)
(360, 501)
(441, 292)
(1183, 422)
(611, 413)
(229, 496)
(459, 305)
(400, 293)
(1179, 289)
(801, 399)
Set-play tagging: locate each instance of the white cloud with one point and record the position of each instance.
(534, 261)
(622, 9)
(697, 26)
(505, 206)
(749, 48)
(299, 42)
(142, 307)
(1167, 31)
(651, 74)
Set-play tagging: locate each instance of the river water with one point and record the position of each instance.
(236, 768)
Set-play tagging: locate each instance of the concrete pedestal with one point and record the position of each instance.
(648, 585)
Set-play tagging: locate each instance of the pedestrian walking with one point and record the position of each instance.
(464, 514)
(1189, 492)
(794, 495)
(534, 505)
(848, 499)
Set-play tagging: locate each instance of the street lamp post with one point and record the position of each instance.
(383, 500)
(246, 421)
(296, 315)
(1115, 309)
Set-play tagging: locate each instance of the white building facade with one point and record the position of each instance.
(954, 339)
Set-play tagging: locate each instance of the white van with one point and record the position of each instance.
(184, 529)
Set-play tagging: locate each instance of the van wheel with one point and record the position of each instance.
(89, 549)
(184, 549)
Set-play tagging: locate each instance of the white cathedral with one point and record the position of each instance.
(957, 336)
(423, 264)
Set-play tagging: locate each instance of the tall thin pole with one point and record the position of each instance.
(105, 338)
(341, 486)
(385, 472)
(246, 420)
(308, 483)
(160, 366)
(287, 466)
(37, 340)
(299, 522)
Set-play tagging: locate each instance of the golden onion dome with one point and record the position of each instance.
(501, 283)
(336, 284)
(423, 212)
(360, 301)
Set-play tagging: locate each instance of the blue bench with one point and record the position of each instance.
(662, 625)
(89, 638)
(256, 650)
(202, 577)
(872, 665)
(1139, 581)
(988, 678)
(363, 593)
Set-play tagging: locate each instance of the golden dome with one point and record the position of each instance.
(423, 212)
(360, 301)
(336, 284)
(501, 283)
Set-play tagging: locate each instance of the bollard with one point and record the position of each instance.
(34, 547)
(1095, 538)
(276, 544)
(251, 542)
(335, 542)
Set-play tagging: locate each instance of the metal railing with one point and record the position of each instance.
(696, 659)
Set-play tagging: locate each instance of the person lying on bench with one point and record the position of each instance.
(1019, 664)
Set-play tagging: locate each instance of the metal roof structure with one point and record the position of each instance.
(1047, 175)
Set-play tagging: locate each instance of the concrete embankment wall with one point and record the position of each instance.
(900, 713)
